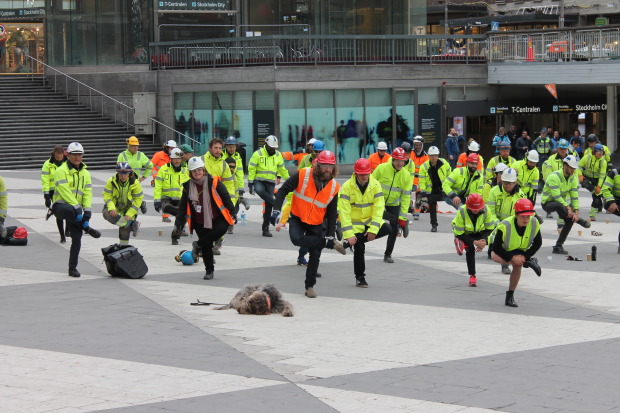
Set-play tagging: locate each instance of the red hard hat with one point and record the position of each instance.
(399, 154)
(524, 207)
(362, 166)
(20, 233)
(473, 158)
(475, 202)
(326, 157)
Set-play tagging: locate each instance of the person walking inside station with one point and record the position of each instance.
(560, 194)
(265, 168)
(462, 182)
(206, 205)
(396, 187)
(380, 156)
(593, 172)
(611, 194)
(138, 161)
(72, 202)
(517, 240)
(314, 201)
(432, 173)
(57, 158)
(472, 227)
(361, 206)
(122, 197)
(168, 187)
(160, 159)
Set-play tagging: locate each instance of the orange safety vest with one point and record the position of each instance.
(289, 156)
(462, 161)
(308, 204)
(159, 159)
(417, 161)
(376, 161)
(218, 201)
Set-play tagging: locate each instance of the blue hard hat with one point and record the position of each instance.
(231, 140)
(185, 257)
(318, 146)
(123, 167)
(563, 144)
(598, 148)
(504, 145)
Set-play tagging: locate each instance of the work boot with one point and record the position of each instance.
(406, 231)
(558, 249)
(533, 264)
(339, 247)
(434, 228)
(510, 299)
(310, 293)
(505, 269)
(245, 202)
(135, 227)
(92, 232)
(196, 249)
(361, 282)
(230, 229)
(143, 208)
(472, 281)
(184, 233)
(165, 219)
(217, 247)
(208, 275)
(73, 272)
(318, 275)
(585, 223)
(302, 261)
(266, 233)
(388, 259)
(175, 241)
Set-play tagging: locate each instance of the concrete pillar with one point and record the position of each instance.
(612, 117)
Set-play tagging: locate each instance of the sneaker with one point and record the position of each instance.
(339, 247)
(302, 261)
(505, 269)
(460, 246)
(361, 282)
(143, 208)
(434, 228)
(585, 223)
(245, 202)
(533, 264)
(266, 233)
(472, 281)
(175, 241)
(208, 275)
(310, 292)
(184, 233)
(558, 249)
(165, 219)
(196, 249)
(216, 250)
(230, 229)
(388, 259)
(406, 231)
(135, 227)
(73, 272)
(92, 232)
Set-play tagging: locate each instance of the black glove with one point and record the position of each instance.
(87, 215)
(158, 206)
(329, 243)
(48, 200)
(275, 217)
(251, 189)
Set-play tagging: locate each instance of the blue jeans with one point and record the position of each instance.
(265, 191)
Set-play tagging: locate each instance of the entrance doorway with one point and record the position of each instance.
(17, 41)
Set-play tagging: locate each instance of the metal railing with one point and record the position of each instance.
(178, 137)
(317, 50)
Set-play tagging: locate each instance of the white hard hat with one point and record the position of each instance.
(433, 150)
(571, 161)
(473, 146)
(271, 141)
(500, 167)
(533, 156)
(75, 147)
(171, 144)
(311, 141)
(418, 138)
(509, 175)
(176, 153)
(382, 146)
(195, 163)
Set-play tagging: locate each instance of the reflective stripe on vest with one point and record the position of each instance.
(218, 201)
(309, 204)
(510, 238)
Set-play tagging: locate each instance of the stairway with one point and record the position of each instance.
(34, 118)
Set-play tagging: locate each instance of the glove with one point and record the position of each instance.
(275, 217)
(87, 215)
(79, 216)
(153, 183)
(48, 200)
(402, 223)
(85, 225)
(241, 192)
(251, 189)
(597, 190)
(329, 243)
(158, 206)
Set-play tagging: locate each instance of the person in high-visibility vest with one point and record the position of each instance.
(396, 186)
(188, 153)
(380, 156)
(138, 161)
(611, 194)
(528, 175)
(122, 197)
(418, 157)
(462, 182)
(471, 227)
(492, 183)
(207, 207)
(57, 158)
(591, 141)
(315, 200)
(554, 163)
(317, 147)
(517, 240)
(160, 159)
(472, 147)
(231, 151)
(560, 188)
(543, 145)
(432, 173)
(168, 187)
(72, 202)
(503, 157)
(361, 205)
(266, 167)
(593, 172)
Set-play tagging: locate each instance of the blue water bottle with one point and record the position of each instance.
(243, 218)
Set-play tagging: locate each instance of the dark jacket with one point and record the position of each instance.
(221, 190)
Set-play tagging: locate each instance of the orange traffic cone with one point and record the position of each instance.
(530, 50)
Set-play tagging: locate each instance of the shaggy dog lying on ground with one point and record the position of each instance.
(259, 299)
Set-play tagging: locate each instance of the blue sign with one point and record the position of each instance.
(494, 26)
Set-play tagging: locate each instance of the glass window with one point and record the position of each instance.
(292, 120)
(242, 117)
(263, 119)
(203, 121)
(321, 113)
(350, 132)
(379, 118)
(222, 114)
(405, 125)
(182, 111)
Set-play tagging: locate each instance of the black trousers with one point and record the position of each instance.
(470, 252)
(265, 190)
(597, 200)
(391, 214)
(563, 215)
(432, 206)
(312, 238)
(206, 238)
(359, 249)
(68, 213)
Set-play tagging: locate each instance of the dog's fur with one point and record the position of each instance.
(252, 299)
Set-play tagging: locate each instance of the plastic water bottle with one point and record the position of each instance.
(243, 218)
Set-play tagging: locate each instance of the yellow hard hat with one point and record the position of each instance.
(133, 141)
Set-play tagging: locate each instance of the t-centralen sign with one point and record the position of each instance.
(222, 5)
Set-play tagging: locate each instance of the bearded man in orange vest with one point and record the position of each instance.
(315, 199)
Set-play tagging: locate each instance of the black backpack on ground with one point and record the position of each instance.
(124, 261)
